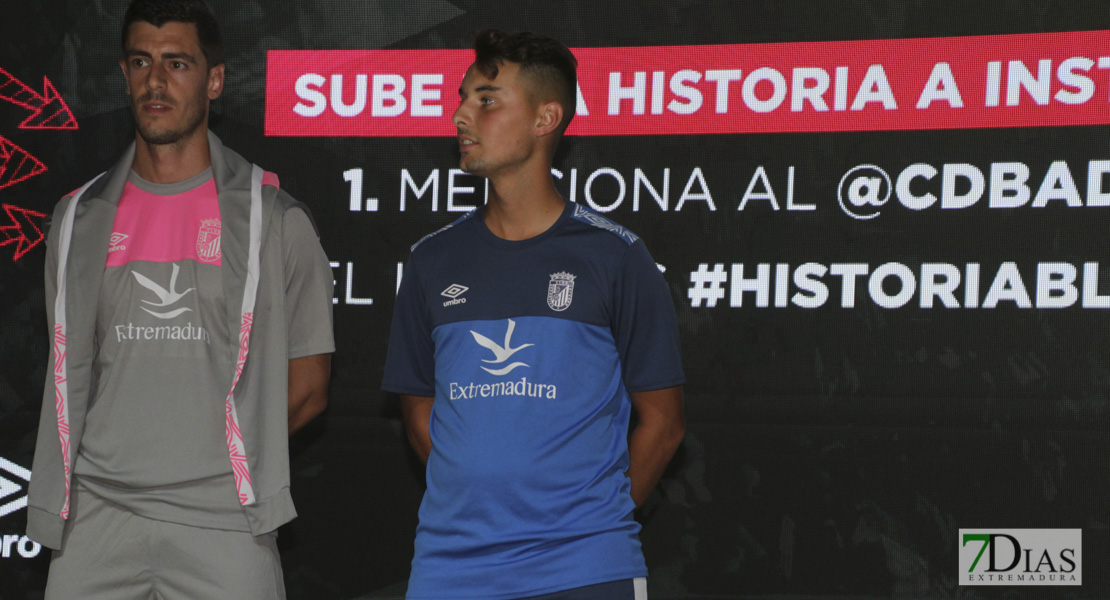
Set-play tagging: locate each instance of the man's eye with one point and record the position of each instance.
(486, 101)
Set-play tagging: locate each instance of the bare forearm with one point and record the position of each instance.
(655, 439)
(308, 389)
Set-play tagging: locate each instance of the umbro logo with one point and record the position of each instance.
(453, 292)
(115, 243)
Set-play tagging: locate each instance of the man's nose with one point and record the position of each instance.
(459, 117)
(157, 78)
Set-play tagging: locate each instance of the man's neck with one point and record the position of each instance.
(520, 209)
(171, 163)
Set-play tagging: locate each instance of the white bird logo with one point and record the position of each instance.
(167, 297)
(500, 353)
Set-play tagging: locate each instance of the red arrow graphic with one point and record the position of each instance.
(24, 231)
(16, 164)
(50, 110)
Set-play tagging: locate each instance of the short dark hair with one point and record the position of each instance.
(537, 55)
(160, 12)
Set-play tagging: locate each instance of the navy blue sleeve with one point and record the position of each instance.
(410, 360)
(644, 324)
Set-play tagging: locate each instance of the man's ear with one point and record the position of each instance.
(126, 81)
(550, 116)
(215, 82)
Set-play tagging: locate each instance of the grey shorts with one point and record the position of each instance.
(111, 553)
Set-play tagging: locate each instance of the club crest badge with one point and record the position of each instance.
(208, 240)
(560, 292)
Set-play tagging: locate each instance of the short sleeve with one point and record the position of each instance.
(644, 325)
(410, 360)
(309, 287)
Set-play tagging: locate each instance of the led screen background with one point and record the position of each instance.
(835, 447)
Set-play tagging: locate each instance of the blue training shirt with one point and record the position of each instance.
(530, 349)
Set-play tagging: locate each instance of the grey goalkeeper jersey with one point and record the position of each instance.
(155, 432)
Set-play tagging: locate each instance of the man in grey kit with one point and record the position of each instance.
(189, 303)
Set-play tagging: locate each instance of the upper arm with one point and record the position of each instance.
(312, 371)
(413, 408)
(663, 405)
(417, 413)
(308, 388)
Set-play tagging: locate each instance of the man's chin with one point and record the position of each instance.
(165, 137)
(470, 168)
(160, 138)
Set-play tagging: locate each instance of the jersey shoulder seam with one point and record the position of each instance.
(590, 217)
(441, 230)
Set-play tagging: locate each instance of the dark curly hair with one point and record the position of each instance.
(160, 12)
(544, 58)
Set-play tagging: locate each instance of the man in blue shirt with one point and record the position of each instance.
(524, 335)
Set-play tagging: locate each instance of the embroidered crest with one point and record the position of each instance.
(560, 292)
(208, 240)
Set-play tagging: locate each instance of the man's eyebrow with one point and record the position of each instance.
(185, 56)
(168, 55)
(481, 88)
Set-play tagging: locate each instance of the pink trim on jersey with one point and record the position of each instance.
(61, 399)
(235, 447)
(269, 178)
(166, 229)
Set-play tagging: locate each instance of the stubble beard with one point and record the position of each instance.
(472, 167)
(156, 136)
(470, 164)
